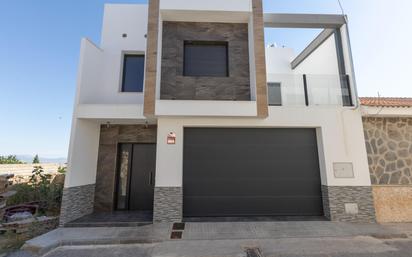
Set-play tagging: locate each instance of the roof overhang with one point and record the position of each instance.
(297, 20)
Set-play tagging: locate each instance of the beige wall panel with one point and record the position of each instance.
(393, 203)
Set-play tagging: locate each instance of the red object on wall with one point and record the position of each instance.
(171, 138)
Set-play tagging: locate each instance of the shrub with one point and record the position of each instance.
(62, 170)
(11, 159)
(39, 189)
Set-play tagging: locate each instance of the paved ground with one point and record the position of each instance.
(274, 239)
(291, 247)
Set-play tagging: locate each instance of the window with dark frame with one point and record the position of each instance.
(206, 58)
(133, 73)
(274, 94)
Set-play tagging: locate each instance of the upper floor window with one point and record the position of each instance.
(274, 94)
(206, 58)
(133, 73)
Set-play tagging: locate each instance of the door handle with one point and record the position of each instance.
(151, 178)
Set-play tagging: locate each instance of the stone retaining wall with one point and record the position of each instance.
(389, 147)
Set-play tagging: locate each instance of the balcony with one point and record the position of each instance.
(309, 61)
(309, 90)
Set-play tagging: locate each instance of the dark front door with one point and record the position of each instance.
(135, 177)
(251, 172)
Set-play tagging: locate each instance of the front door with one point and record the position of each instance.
(135, 177)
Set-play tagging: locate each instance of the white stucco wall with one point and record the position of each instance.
(209, 5)
(322, 61)
(83, 151)
(106, 67)
(340, 130)
(89, 72)
(278, 60)
(110, 111)
(278, 67)
(205, 108)
(98, 98)
(322, 75)
(323, 79)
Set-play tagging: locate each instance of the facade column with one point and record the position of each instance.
(79, 186)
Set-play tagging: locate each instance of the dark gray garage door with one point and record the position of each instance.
(251, 172)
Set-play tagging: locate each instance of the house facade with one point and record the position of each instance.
(182, 112)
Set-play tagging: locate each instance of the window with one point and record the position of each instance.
(133, 73)
(205, 58)
(274, 94)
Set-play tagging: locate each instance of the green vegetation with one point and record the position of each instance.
(11, 241)
(39, 189)
(36, 159)
(62, 170)
(11, 159)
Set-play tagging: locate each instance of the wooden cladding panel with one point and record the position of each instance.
(151, 58)
(260, 62)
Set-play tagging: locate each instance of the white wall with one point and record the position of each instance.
(110, 111)
(104, 67)
(205, 108)
(83, 152)
(89, 72)
(209, 5)
(98, 96)
(322, 61)
(278, 60)
(278, 67)
(206, 11)
(340, 130)
(322, 70)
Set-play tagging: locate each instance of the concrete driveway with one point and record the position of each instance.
(267, 239)
(291, 247)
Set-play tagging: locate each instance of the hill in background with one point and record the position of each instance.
(29, 158)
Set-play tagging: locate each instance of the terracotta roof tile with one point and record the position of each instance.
(386, 101)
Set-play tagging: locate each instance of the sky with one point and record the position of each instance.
(40, 43)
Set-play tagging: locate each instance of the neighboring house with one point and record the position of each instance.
(388, 135)
(182, 112)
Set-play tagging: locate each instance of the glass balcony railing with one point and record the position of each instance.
(309, 90)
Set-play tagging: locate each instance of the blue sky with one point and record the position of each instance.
(39, 51)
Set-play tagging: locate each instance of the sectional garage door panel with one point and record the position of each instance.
(251, 172)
